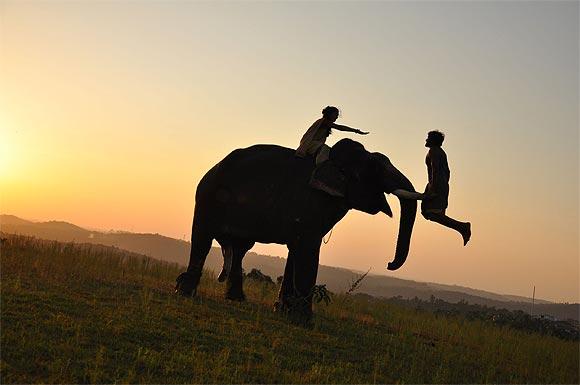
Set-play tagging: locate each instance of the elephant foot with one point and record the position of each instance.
(297, 310)
(186, 284)
(234, 287)
(233, 295)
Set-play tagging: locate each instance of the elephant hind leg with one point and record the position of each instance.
(228, 254)
(200, 245)
(235, 251)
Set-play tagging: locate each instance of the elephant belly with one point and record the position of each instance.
(263, 216)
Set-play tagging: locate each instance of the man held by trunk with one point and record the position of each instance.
(437, 191)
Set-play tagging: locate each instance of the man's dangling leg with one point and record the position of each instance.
(323, 154)
(325, 176)
(463, 228)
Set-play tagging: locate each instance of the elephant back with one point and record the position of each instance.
(266, 173)
(264, 163)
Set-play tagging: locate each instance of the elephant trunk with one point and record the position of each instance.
(407, 220)
(394, 179)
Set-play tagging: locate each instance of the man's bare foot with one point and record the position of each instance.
(466, 234)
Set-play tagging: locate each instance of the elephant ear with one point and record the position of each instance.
(363, 184)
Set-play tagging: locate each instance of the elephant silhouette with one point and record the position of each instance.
(262, 194)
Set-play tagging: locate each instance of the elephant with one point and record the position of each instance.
(262, 194)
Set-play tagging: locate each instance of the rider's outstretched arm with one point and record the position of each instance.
(347, 129)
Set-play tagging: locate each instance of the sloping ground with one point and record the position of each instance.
(336, 279)
(86, 313)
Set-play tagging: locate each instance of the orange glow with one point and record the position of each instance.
(112, 113)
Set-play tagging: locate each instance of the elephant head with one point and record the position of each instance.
(369, 176)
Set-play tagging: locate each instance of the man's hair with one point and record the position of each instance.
(437, 137)
(329, 110)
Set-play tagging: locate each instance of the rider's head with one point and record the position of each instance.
(330, 112)
(434, 139)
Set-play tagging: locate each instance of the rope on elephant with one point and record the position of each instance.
(329, 235)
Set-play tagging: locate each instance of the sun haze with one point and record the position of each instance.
(111, 112)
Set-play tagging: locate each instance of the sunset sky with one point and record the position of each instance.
(111, 112)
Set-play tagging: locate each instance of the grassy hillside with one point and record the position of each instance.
(336, 279)
(86, 313)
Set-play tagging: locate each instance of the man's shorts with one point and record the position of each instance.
(438, 203)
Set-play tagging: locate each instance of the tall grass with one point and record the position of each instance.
(84, 313)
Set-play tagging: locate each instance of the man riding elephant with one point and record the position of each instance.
(263, 194)
(313, 141)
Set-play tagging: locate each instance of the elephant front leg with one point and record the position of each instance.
(286, 287)
(299, 279)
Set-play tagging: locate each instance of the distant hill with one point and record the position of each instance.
(153, 245)
(336, 279)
